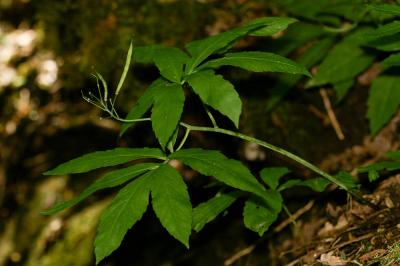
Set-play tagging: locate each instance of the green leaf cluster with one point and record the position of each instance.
(372, 32)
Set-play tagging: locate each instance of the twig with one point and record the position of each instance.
(239, 255)
(331, 114)
(294, 216)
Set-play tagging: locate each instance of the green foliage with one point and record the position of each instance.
(209, 210)
(218, 93)
(114, 223)
(167, 111)
(373, 33)
(384, 100)
(213, 163)
(260, 213)
(101, 159)
(109, 180)
(258, 62)
(171, 202)
(195, 71)
(391, 164)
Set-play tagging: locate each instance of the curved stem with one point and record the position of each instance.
(184, 139)
(212, 119)
(282, 152)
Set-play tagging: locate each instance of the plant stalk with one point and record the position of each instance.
(282, 152)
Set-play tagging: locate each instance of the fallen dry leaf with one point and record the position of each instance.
(331, 260)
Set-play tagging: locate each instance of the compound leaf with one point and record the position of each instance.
(383, 101)
(111, 179)
(167, 111)
(124, 211)
(171, 202)
(170, 60)
(258, 62)
(260, 213)
(218, 93)
(207, 211)
(101, 159)
(213, 163)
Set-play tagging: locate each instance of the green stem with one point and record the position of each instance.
(282, 152)
(129, 120)
(292, 219)
(211, 117)
(184, 139)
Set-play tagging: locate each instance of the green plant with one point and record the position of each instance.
(165, 97)
(345, 38)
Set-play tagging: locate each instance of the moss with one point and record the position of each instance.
(74, 246)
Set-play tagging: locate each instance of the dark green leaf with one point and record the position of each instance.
(383, 101)
(304, 8)
(201, 49)
(342, 88)
(213, 163)
(167, 111)
(394, 155)
(347, 179)
(274, 25)
(289, 184)
(385, 165)
(308, 59)
(111, 179)
(260, 213)
(381, 32)
(385, 8)
(345, 61)
(317, 184)
(392, 60)
(258, 62)
(171, 202)
(101, 159)
(124, 211)
(143, 105)
(146, 54)
(207, 211)
(271, 175)
(297, 35)
(388, 44)
(172, 141)
(170, 63)
(218, 93)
